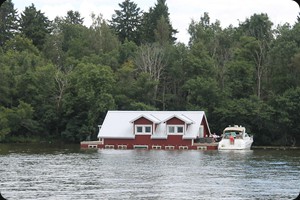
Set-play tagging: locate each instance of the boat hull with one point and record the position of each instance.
(239, 144)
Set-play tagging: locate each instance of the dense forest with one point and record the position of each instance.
(58, 78)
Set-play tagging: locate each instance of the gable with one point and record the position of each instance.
(143, 120)
(175, 121)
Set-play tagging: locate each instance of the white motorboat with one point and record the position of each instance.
(235, 138)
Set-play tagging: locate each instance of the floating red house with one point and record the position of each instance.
(154, 130)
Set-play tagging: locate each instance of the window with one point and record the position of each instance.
(139, 129)
(171, 129)
(175, 129)
(179, 129)
(140, 146)
(143, 129)
(147, 129)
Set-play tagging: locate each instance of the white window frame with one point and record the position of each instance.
(136, 129)
(175, 129)
(178, 131)
(144, 126)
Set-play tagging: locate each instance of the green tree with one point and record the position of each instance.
(87, 100)
(173, 95)
(4, 124)
(202, 94)
(162, 32)
(67, 35)
(127, 21)
(74, 17)
(103, 44)
(69, 39)
(251, 112)
(103, 40)
(6, 77)
(134, 89)
(16, 120)
(156, 24)
(127, 51)
(286, 117)
(259, 31)
(200, 62)
(46, 102)
(283, 58)
(53, 49)
(217, 42)
(20, 59)
(28, 79)
(8, 21)
(34, 25)
(239, 79)
(152, 60)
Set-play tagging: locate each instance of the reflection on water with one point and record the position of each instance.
(66, 172)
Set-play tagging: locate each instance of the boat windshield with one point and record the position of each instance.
(235, 134)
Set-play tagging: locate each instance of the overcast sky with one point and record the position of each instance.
(181, 11)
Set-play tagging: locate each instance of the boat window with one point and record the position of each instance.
(239, 135)
(235, 134)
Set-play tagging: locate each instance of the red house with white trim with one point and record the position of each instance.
(155, 130)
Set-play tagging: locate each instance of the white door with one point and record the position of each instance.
(201, 131)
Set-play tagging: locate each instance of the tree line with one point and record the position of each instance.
(58, 78)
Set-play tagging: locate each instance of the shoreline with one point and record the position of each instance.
(275, 147)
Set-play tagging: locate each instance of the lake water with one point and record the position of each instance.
(66, 172)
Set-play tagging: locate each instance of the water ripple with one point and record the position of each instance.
(142, 174)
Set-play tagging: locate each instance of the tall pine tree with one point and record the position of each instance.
(34, 25)
(152, 23)
(127, 21)
(8, 21)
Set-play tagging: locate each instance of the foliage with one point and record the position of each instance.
(17, 119)
(156, 24)
(59, 78)
(287, 114)
(34, 25)
(127, 21)
(88, 97)
(8, 21)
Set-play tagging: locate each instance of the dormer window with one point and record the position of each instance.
(171, 129)
(144, 124)
(175, 129)
(139, 129)
(143, 129)
(179, 129)
(148, 129)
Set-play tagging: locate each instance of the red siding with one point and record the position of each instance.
(175, 121)
(84, 146)
(173, 140)
(143, 120)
